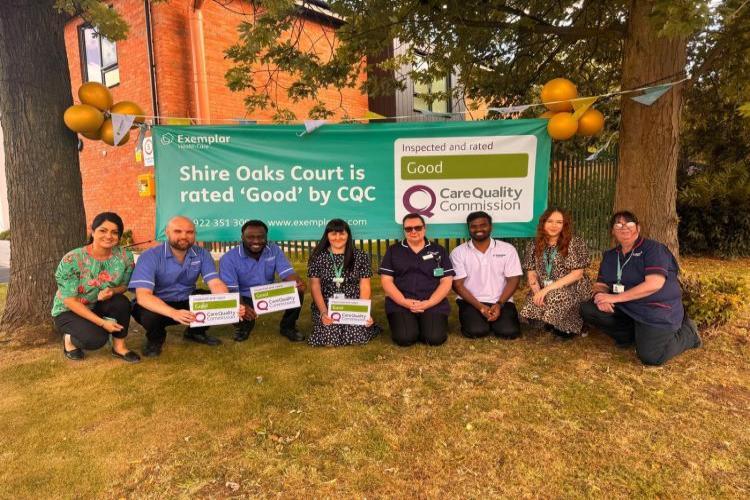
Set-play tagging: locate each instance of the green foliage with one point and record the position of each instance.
(99, 14)
(127, 238)
(713, 299)
(5, 235)
(713, 207)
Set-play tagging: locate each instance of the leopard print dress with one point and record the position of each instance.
(561, 307)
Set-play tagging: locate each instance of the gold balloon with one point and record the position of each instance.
(559, 89)
(562, 126)
(591, 122)
(95, 94)
(129, 108)
(108, 134)
(548, 114)
(94, 136)
(83, 118)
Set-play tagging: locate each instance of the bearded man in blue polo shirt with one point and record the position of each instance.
(637, 298)
(164, 278)
(256, 262)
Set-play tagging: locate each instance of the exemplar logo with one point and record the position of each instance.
(425, 210)
(167, 139)
(194, 141)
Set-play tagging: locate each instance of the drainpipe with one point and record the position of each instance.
(198, 52)
(151, 62)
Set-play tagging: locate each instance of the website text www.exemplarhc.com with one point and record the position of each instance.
(312, 222)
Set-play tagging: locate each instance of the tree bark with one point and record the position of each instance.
(41, 160)
(649, 135)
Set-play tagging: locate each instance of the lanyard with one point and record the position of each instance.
(337, 270)
(549, 260)
(620, 268)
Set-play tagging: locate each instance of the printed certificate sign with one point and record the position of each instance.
(367, 174)
(349, 311)
(215, 309)
(275, 297)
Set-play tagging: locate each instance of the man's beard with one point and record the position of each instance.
(180, 244)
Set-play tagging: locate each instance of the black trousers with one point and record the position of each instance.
(156, 325)
(288, 321)
(408, 328)
(86, 335)
(474, 325)
(654, 346)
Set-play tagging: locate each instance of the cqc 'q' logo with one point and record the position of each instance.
(167, 139)
(420, 199)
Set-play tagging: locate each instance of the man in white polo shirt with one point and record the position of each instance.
(487, 274)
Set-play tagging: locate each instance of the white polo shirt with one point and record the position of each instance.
(486, 272)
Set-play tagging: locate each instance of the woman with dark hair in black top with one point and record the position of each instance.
(338, 270)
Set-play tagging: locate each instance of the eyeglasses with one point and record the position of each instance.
(623, 225)
(413, 229)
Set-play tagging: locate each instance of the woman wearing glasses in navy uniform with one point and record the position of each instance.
(417, 276)
(637, 298)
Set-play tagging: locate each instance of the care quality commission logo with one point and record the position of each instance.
(446, 178)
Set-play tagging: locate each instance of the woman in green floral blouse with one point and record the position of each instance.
(89, 305)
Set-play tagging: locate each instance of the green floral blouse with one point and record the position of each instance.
(82, 276)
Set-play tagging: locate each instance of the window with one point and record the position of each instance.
(98, 57)
(442, 105)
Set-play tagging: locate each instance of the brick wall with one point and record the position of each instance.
(109, 173)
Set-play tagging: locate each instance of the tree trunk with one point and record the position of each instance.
(41, 160)
(649, 135)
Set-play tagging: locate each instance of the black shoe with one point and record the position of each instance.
(128, 357)
(241, 336)
(201, 338)
(293, 335)
(562, 336)
(75, 354)
(152, 350)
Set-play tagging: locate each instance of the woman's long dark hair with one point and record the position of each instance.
(563, 241)
(336, 226)
(106, 217)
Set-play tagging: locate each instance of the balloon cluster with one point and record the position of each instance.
(93, 117)
(556, 96)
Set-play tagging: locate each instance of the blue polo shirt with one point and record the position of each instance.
(158, 270)
(662, 309)
(240, 271)
(413, 273)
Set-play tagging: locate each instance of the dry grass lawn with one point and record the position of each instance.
(483, 418)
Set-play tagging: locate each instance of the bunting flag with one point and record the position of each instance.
(121, 125)
(511, 109)
(651, 95)
(596, 154)
(371, 115)
(311, 126)
(582, 105)
(139, 142)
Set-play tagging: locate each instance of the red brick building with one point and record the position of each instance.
(174, 54)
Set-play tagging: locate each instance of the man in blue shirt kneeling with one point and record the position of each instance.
(253, 263)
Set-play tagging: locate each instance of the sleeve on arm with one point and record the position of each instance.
(144, 274)
(362, 265)
(129, 265)
(513, 266)
(228, 272)
(208, 268)
(457, 263)
(657, 260)
(386, 265)
(447, 263)
(578, 254)
(67, 277)
(529, 259)
(283, 267)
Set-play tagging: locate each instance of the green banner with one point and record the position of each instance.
(368, 174)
